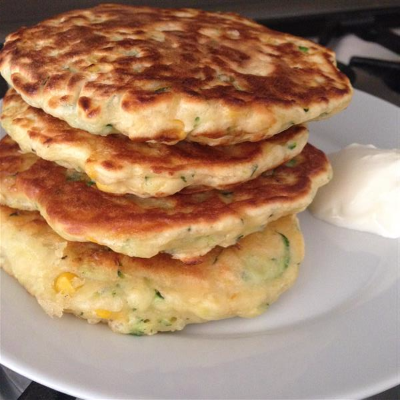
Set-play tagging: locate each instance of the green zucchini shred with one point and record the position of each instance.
(254, 168)
(286, 243)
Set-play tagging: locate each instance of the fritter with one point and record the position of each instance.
(186, 226)
(145, 296)
(118, 165)
(165, 75)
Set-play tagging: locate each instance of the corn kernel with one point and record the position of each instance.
(103, 188)
(104, 314)
(180, 128)
(63, 283)
(91, 172)
(179, 123)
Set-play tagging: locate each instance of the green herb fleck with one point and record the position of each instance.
(121, 274)
(292, 146)
(291, 163)
(159, 295)
(245, 276)
(64, 257)
(162, 90)
(195, 124)
(286, 243)
(90, 183)
(189, 229)
(73, 177)
(253, 169)
(239, 237)
(14, 214)
(285, 240)
(136, 333)
(109, 126)
(183, 178)
(306, 109)
(303, 49)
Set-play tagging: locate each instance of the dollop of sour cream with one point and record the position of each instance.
(364, 193)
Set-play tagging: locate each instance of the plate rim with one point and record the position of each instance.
(62, 386)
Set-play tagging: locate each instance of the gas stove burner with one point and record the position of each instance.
(16, 387)
(368, 30)
(347, 70)
(389, 71)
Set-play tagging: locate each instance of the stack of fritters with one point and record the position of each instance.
(135, 132)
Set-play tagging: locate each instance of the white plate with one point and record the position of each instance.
(334, 335)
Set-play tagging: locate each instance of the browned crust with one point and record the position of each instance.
(11, 162)
(115, 152)
(188, 65)
(81, 209)
(283, 87)
(160, 266)
(212, 271)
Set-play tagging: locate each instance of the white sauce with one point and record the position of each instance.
(364, 193)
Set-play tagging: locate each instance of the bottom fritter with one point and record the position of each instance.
(145, 296)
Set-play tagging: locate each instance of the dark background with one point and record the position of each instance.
(15, 13)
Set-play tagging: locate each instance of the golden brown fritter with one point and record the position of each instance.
(144, 296)
(184, 225)
(165, 75)
(118, 165)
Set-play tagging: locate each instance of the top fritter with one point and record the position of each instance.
(169, 75)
